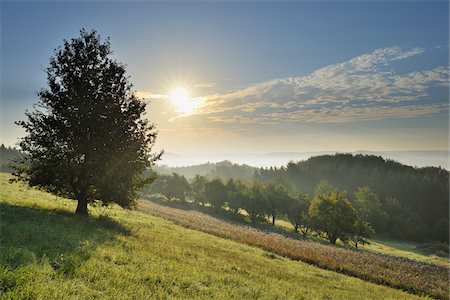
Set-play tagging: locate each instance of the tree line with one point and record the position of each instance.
(328, 214)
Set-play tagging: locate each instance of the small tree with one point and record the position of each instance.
(277, 200)
(89, 141)
(198, 189)
(254, 201)
(361, 232)
(178, 187)
(216, 193)
(333, 215)
(297, 212)
(233, 199)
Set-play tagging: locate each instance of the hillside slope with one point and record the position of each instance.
(47, 252)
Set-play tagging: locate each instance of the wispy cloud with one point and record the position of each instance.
(330, 115)
(206, 85)
(362, 88)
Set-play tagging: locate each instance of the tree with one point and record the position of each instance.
(361, 232)
(178, 187)
(253, 200)
(233, 199)
(297, 213)
(198, 189)
(172, 186)
(368, 205)
(277, 200)
(216, 193)
(333, 215)
(87, 138)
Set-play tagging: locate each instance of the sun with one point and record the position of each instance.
(179, 95)
(184, 104)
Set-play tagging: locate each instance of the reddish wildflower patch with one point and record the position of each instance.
(402, 273)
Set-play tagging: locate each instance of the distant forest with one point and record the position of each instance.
(224, 169)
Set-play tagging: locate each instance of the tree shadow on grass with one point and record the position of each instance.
(231, 217)
(32, 235)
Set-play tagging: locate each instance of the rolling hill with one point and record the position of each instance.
(48, 252)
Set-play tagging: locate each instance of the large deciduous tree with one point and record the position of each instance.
(87, 138)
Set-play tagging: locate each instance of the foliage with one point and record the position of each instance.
(272, 200)
(198, 189)
(368, 205)
(216, 193)
(233, 195)
(223, 169)
(172, 186)
(402, 222)
(256, 204)
(298, 213)
(333, 215)
(422, 193)
(323, 188)
(89, 140)
(360, 233)
(277, 200)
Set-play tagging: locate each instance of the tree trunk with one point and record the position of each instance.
(82, 207)
(273, 220)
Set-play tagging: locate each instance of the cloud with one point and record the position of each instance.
(362, 88)
(204, 85)
(332, 115)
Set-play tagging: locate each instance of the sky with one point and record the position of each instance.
(254, 77)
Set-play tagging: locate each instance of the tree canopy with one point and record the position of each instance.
(87, 138)
(333, 215)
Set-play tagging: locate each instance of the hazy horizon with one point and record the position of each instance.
(420, 158)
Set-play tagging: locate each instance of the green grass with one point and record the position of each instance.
(49, 253)
(389, 246)
(401, 273)
(405, 249)
(378, 244)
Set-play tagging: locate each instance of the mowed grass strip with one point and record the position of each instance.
(409, 275)
(46, 252)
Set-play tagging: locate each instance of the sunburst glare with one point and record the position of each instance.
(184, 103)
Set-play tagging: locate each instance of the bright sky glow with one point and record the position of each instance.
(254, 76)
(184, 104)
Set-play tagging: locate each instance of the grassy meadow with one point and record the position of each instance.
(49, 253)
(398, 272)
(386, 245)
